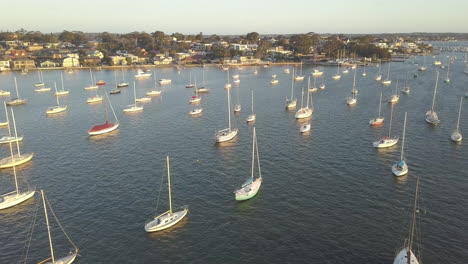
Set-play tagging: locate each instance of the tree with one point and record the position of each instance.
(199, 36)
(178, 36)
(252, 37)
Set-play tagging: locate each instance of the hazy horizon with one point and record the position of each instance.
(239, 18)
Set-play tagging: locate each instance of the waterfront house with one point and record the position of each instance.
(71, 62)
(91, 61)
(94, 53)
(49, 64)
(248, 60)
(118, 60)
(22, 63)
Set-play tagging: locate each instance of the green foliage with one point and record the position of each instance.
(252, 37)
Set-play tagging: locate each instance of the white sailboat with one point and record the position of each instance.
(456, 135)
(237, 107)
(97, 98)
(228, 85)
(228, 133)
(196, 111)
(195, 99)
(314, 86)
(388, 141)
(447, 78)
(317, 73)
(168, 218)
(18, 159)
(379, 75)
(134, 107)
(364, 74)
(142, 74)
(387, 81)
(122, 83)
(406, 254)
(337, 76)
(394, 98)
(40, 83)
(63, 91)
(352, 100)
(378, 121)
(431, 115)
(13, 198)
(322, 86)
(93, 85)
(57, 108)
(252, 116)
(423, 67)
(292, 101)
(299, 77)
(18, 100)
(155, 91)
(406, 89)
(203, 89)
(304, 112)
(401, 168)
(274, 80)
(251, 186)
(52, 259)
(305, 127)
(190, 85)
(9, 138)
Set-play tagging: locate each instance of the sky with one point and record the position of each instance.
(237, 16)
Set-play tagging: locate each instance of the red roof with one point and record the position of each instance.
(101, 127)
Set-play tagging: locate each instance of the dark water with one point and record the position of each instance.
(327, 197)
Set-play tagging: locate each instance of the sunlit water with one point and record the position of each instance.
(327, 197)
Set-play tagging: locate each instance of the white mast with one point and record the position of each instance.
(134, 93)
(229, 107)
(308, 93)
(253, 154)
(56, 96)
(16, 134)
(380, 104)
(413, 222)
(391, 118)
(403, 141)
(388, 73)
(16, 87)
(354, 83)
(91, 76)
(459, 114)
(48, 227)
(292, 85)
(61, 77)
(252, 102)
(435, 91)
(302, 98)
(169, 184)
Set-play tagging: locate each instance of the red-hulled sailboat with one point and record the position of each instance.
(107, 126)
(101, 82)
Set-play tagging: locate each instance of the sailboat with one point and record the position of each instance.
(13, 198)
(168, 218)
(313, 88)
(387, 81)
(4, 93)
(379, 75)
(228, 133)
(17, 100)
(18, 159)
(395, 97)
(352, 100)
(122, 83)
(190, 85)
(337, 76)
(406, 88)
(116, 90)
(195, 99)
(237, 107)
(134, 107)
(431, 115)
(107, 126)
(94, 99)
(63, 91)
(92, 85)
(155, 91)
(423, 67)
(292, 101)
(456, 135)
(274, 80)
(317, 73)
(40, 83)
(63, 260)
(364, 74)
(322, 86)
(252, 116)
(299, 77)
(142, 74)
(304, 112)
(447, 78)
(203, 88)
(406, 254)
(378, 121)
(228, 85)
(57, 108)
(388, 141)
(9, 138)
(401, 168)
(251, 186)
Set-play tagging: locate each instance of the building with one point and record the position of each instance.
(70, 62)
(22, 63)
(4, 64)
(91, 61)
(35, 47)
(248, 60)
(118, 60)
(49, 64)
(95, 53)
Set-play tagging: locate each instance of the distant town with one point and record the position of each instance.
(23, 49)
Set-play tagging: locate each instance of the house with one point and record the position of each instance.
(16, 52)
(22, 63)
(35, 47)
(48, 64)
(118, 60)
(70, 62)
(180, 56)
(91, 61)
(132, 59)
(94, 53)
(160, 59)
(4, 64)
(248, 60)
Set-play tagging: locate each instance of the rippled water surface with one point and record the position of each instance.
(327, 196)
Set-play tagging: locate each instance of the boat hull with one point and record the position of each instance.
(13, 199)
(16, 160)
(249, 190)
(456, 136)
(65, 260)
(400, 170)
(402, 258)
(8, 139)
(55, 109)
(165, 221)
(305, 128)
(385, 142)
(226, 135)
(376, 122)
(102, 129)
